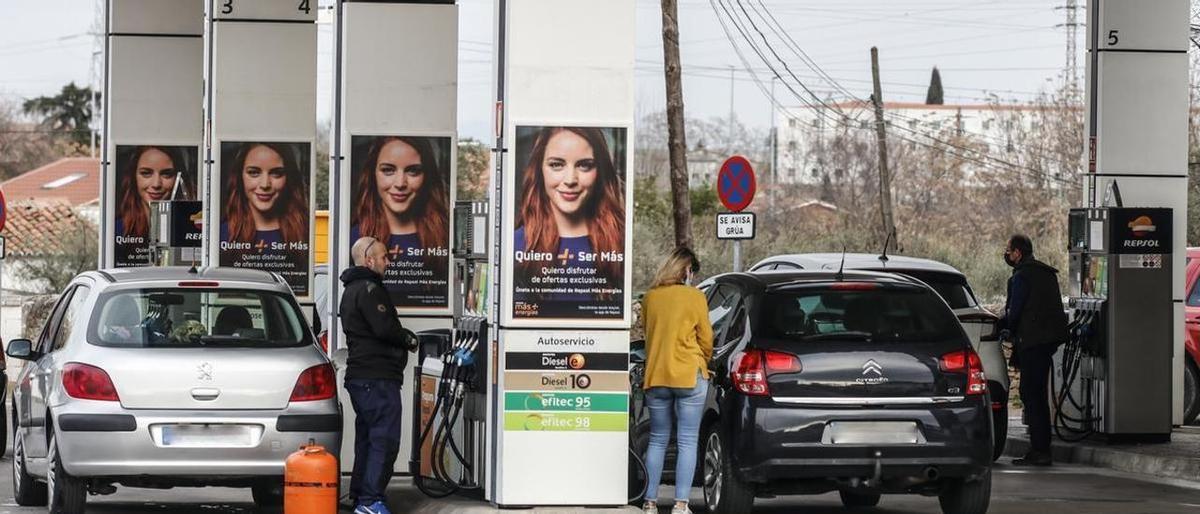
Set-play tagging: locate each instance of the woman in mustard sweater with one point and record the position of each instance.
(679, 344)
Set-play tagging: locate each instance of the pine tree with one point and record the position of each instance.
(935, 96)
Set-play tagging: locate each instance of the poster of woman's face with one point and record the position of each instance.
(145, 174)
(401, 197)
(266, 209)
(569, 244)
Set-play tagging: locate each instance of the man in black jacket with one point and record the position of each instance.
(379, 350)
(1034, 320)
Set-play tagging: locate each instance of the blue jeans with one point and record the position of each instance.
(376, 437)
(666, 405)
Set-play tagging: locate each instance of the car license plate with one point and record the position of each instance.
(872, 432)
(210, 436)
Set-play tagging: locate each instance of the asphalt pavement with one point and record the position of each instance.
(1065, 489)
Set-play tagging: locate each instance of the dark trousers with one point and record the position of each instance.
(1035, 365)
(376, 437)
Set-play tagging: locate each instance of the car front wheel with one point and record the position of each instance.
(67, 494)
(724, 492)
(967, 497)
(27, 491)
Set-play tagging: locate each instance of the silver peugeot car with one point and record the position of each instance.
(166, 377)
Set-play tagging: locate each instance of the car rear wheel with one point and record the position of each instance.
(67, 494)
(967, 497)
(27, 491)
(1191, 393)
(268, 493)
(999, 430)
(853, 500)
(724, 492)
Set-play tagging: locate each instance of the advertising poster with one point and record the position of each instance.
(266, 209)
(147, 173)
(569, 216)
(401, 197)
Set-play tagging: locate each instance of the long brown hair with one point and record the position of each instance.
(131, 209)
(605, 211)
(430, 207)
(292, 207)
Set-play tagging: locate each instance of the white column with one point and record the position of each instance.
(1138, 116)
(261, 112)
(398, 100)
(152, 96)
(566, 68)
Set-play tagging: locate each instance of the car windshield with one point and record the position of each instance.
(857, 311)
(189, 317)
(951, 287)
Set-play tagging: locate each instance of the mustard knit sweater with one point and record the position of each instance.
(679, 338)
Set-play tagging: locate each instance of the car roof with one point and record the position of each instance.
(169, 273)
(779, 279)
(831, 261)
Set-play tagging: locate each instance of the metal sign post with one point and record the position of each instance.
(736, 186)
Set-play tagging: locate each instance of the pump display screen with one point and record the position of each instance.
(1095, 282)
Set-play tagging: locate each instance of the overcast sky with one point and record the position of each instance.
(1013, 48)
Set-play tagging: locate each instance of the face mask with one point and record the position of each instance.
(1009, 261)
(687, 281)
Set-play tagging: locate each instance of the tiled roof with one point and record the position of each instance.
(44, 228)
(77, 180)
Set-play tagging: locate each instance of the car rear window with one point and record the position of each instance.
(187, 317)
(858, 311)
(952, 288)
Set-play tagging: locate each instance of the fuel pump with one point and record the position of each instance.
(175, 235)
(449, 448)
(1115, 372)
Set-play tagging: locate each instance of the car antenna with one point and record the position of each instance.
(883, 256)
(841, 274)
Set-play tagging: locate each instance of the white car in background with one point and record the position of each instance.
(168, 377)
(979, 323)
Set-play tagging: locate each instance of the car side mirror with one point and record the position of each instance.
(22, 349)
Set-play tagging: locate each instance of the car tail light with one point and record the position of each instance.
(966, 362)
(751, 369)
(87, 382)
(323, 341)
(855, 286)
(316, 383)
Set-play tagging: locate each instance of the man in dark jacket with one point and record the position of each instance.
(1036, 324)
(379, 350)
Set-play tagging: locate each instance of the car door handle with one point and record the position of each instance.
(206, 394)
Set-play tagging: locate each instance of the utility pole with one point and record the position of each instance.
(731, 148)
(774, 150)
(885, 181)
(676, 140)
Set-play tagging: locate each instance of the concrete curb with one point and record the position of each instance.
(1118, 458)
(404, 497)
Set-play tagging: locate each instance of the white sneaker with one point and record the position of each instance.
(649, 508)
(684, 510)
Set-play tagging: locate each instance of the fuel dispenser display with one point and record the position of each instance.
(1116, 365)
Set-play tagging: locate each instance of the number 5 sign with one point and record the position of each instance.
(265, 10)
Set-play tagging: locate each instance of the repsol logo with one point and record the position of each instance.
(1141, 243)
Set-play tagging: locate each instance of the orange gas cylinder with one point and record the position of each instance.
(310, 481)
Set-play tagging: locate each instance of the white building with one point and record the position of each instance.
(804, 133)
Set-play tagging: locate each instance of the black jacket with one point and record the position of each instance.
(377, 341)
(1034, 311)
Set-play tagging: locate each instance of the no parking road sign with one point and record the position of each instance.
(736, 184)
